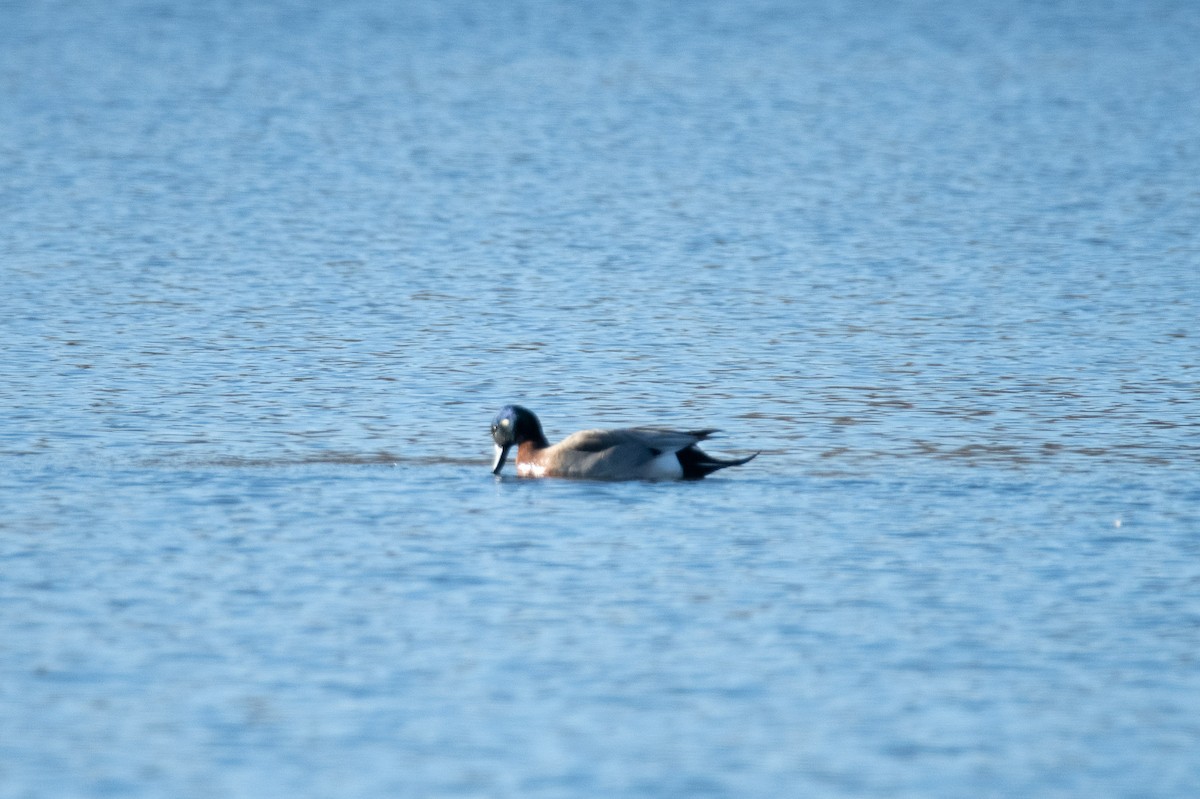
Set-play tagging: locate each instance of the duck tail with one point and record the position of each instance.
(697, 464)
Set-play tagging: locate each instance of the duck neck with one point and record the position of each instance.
(536, 440)
(527, 448)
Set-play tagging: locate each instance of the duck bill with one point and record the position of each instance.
(501, 457)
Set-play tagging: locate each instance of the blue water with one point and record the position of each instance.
(267, 270)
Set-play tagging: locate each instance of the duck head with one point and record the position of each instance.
(514, 425)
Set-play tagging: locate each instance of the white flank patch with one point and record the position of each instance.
(531, 470)
(665, 467)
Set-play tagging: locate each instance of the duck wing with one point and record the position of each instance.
(653, 440)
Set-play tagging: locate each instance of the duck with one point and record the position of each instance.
(631, 453)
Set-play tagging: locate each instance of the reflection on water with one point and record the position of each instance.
(269, 272)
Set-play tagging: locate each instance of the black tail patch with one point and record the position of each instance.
(696, 463)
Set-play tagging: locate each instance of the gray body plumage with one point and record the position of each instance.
(622, 454)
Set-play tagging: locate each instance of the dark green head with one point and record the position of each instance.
(513, 426)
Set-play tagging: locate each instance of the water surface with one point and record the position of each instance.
(270, 268)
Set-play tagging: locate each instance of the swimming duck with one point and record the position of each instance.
(633, 453)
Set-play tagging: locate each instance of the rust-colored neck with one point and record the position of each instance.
(527, 449)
